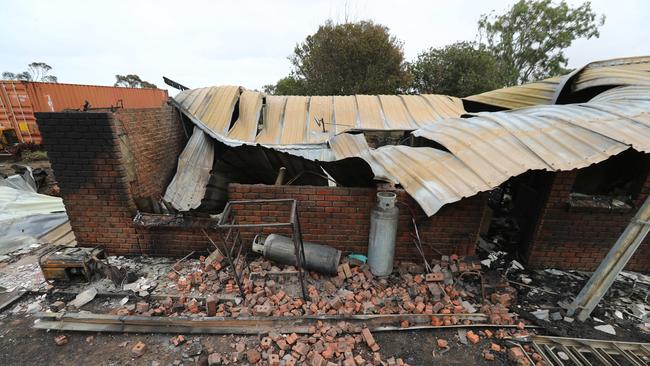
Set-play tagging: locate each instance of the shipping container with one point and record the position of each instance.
(19, 100)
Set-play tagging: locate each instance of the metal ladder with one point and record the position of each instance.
(590, 351)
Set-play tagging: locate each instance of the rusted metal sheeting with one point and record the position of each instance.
(432, 177)
(489, 149)
(187, 188)
(303, 120)
(250, 106)
(296, 116)
(623, 94)
(620, 71)
(212, 106)
(273, 117)
(348, 145)
(527, 95)
(19, 100)
(632, 74)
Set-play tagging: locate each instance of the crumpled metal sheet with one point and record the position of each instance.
(520, 96)
(304, 120)
(625, 71)
(17, 203)
(188, 186)
(621, 71)
(492, 147)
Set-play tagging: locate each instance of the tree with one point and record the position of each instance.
(460, 69)
(349, 58)
(530, 38)
(132, 81)
(36, 71)
(289, 85)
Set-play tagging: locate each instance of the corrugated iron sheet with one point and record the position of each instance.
(496, 146)
(303, 120)
(620, 71)
(527, 95)
(187, 188)
(250, 106)
(483, 151)
(632, 74)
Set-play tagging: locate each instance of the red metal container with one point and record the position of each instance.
(19, 100)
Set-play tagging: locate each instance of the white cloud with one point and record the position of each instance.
(247, 42)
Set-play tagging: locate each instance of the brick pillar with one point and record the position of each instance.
(86, 157)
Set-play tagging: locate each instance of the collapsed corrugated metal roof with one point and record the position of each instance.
(303, 120)
(620, 71)
(483, 150)
(187, 188)
(486, 150)
(520, 96)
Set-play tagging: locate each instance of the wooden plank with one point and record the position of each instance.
(220, 325)
(8, 298)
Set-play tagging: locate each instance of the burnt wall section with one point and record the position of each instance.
(571, 238)
(155, 138)
(84, 150)
(340, 217)
(104, 162)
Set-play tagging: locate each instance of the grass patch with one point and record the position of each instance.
(33, 155)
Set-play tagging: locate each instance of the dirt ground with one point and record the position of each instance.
(22, 345)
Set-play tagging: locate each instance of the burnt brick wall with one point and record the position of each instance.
(84, 150)
(580, 239)
(340, 217)
(102, 160)
(155, 140)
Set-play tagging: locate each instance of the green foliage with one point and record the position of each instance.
(289, 85)
(132, 81)
(33, 155)
(530, 38)
(460, 69)
(36, 71)
(349, 58)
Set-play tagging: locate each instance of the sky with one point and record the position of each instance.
(203, 43)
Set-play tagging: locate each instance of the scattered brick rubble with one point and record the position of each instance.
(206, 288)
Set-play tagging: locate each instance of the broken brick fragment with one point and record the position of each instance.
(139, 349)
(489, 356)
(442, 343)
(57, 306)
(253, 356)
(61, 340)
(472, 337)
(301, 348)
(211, 305)
(142, 307)
(178, 340)
(359, 360)
(216, 359)
(434, 277)
(495, 347)
(515, 354)
(266, 343)
(274, 360)
(292, 338)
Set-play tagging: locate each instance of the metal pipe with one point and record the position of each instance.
(280, 178)
(606, 273)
